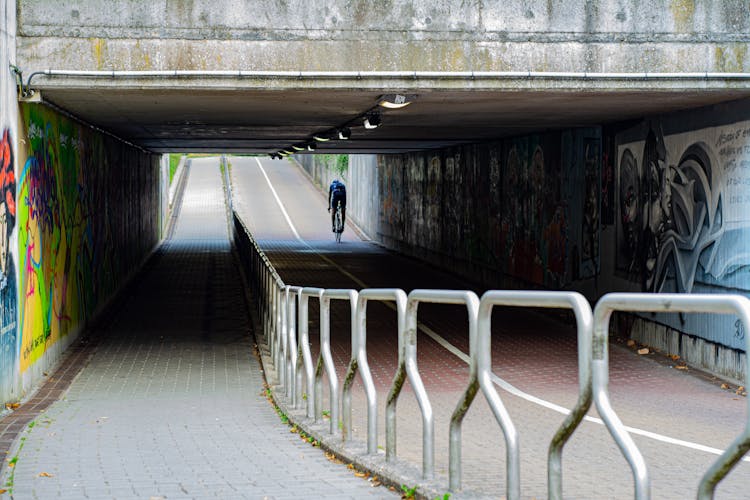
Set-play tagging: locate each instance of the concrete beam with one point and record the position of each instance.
(427, 35)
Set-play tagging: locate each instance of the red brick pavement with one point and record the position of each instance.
(535, 352)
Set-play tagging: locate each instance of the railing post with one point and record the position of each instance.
(362, 365)
(304, 358)
(354, 360)
(291, 338)
(325, 364)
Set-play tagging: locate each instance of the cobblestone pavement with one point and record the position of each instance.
(534, 352)
(171, 404)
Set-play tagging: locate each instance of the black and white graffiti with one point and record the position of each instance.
(674, 224)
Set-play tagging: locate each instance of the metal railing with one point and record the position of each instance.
(285, 332)
(641, 302)
(582, 312)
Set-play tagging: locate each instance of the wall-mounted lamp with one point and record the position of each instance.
(372, 121)
(345, 133)
(395, 101)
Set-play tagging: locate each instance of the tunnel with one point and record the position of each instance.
(165, 186)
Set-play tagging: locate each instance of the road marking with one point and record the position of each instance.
(503, 384)
(508, 387)
(278, 200)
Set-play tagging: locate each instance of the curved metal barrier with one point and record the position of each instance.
(642, 302)
(304, 356)
(582, 312)
(283, 310)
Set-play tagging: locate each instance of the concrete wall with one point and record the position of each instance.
(507, 213)
(438, 35)
(91, 214)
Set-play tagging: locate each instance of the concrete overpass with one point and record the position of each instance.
(263, 76)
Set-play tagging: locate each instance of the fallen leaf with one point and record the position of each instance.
(631, 343)
(3, 491)
(681, 367)
(46, 474)
(350, 466)
(11, 406)
(360, 474)
(741, 388)
(375, 484)
(643, 351)
(724, 386)
(674, 357)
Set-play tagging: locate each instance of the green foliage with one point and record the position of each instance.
(408, 492)
(174, 162)
(337, 163)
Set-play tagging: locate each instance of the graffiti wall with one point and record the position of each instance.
(526, 207)
(87, 215)
(9, 380)
(683, 213)
(8, 288)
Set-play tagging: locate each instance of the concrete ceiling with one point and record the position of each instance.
(265, 121)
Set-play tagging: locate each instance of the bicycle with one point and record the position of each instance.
(338, 222)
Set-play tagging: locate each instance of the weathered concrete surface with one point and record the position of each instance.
(443, 35)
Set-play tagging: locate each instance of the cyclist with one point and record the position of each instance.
(336, 194)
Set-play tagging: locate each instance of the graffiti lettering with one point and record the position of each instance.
(6, 328)
(738, 181)
(739, 330)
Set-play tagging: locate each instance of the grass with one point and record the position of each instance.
(13, 461)
(174, 162)
(408, 492)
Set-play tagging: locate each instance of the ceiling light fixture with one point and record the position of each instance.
(287, 151)
(395, 101)
(320, 138)
(345, 133)
(312, 146)
(372, 121)
(298, 148)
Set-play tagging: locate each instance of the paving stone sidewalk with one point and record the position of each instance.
(171, 403)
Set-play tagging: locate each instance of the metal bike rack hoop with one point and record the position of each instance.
(642, 302)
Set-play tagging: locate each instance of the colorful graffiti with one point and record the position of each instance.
(8, 289)
(87, 215)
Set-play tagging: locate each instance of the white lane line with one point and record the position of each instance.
(278, 200)
(506, 386)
